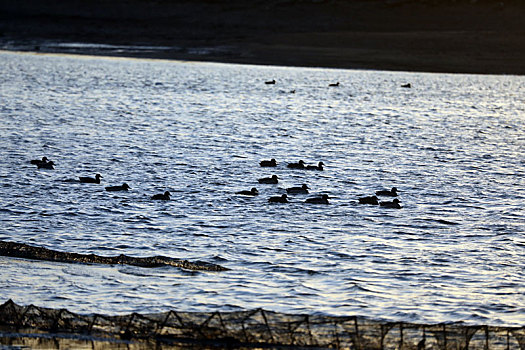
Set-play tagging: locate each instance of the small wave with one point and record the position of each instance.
(441, 221)
(70, 180)
(357, 287)
(219, 258)
(138, 219)
(134, 272)
(292, 269)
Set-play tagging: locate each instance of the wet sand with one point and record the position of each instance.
(411, 35)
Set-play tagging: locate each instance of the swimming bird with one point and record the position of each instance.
(90, 180)
(408, 85)
(39, 161)
(252, 192)
(268, 163)
(124, 187)
(269, 180)
(299, 165)
(47, 165)
(392, 205)
(334, 85)
(391, 193)
(281, 199)
(298, 190)
(369, 200)
(318, 200)
(271, 82)
(319, 166)
(162, 196)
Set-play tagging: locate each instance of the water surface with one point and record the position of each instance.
(452, 144)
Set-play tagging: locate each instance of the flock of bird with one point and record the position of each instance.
(273, 82)
(322, 199)
(45, 163)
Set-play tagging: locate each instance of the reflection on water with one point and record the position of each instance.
(452, 144)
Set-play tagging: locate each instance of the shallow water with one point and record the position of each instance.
(452, 144)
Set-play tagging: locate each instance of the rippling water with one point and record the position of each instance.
(453, 145)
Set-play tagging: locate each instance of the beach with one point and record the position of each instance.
(483, 37)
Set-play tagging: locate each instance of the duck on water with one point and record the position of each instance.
(162, 196)
(298, 165)
(47, 165)
(281, 199)
(319, 166)
(318, 200)
(252, 192)
(392, 205)
(43, 163)
(124, 187)
(39, 161)
(90, 180)
(391, 193)
(369, 200)
(268, 163)
(269, 180)
(298, 190)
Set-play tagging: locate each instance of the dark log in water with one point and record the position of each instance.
(20, 250)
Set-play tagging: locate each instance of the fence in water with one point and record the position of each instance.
(253, 329)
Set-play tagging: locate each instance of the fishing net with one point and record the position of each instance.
(43, 327)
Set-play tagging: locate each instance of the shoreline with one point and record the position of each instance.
(101, 54)
(481, 37)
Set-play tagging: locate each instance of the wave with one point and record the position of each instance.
(20, 250)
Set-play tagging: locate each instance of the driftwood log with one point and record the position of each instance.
(20, 250)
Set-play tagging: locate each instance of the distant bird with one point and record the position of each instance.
(90, 180)
(39, 161)
(292, 91)
(299, 165)
(269, 180)
(392, 205)
(298, 190)
(318, 200)
(162, 196)
(334, 85)
(319, 166)
(252, 192)
(369, 200)
(408, 85)
(271, 82)
(391, 193)
(124, 187)
(47, 165)
(281, 199)
(268, 163)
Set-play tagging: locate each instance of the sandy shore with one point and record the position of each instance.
(413, 35)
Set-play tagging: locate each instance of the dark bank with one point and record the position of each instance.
(467, 36)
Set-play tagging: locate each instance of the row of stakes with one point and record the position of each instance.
(45, 163)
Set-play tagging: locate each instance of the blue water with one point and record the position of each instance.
(453, 145)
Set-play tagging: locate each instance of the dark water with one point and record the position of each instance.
(452, 144)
